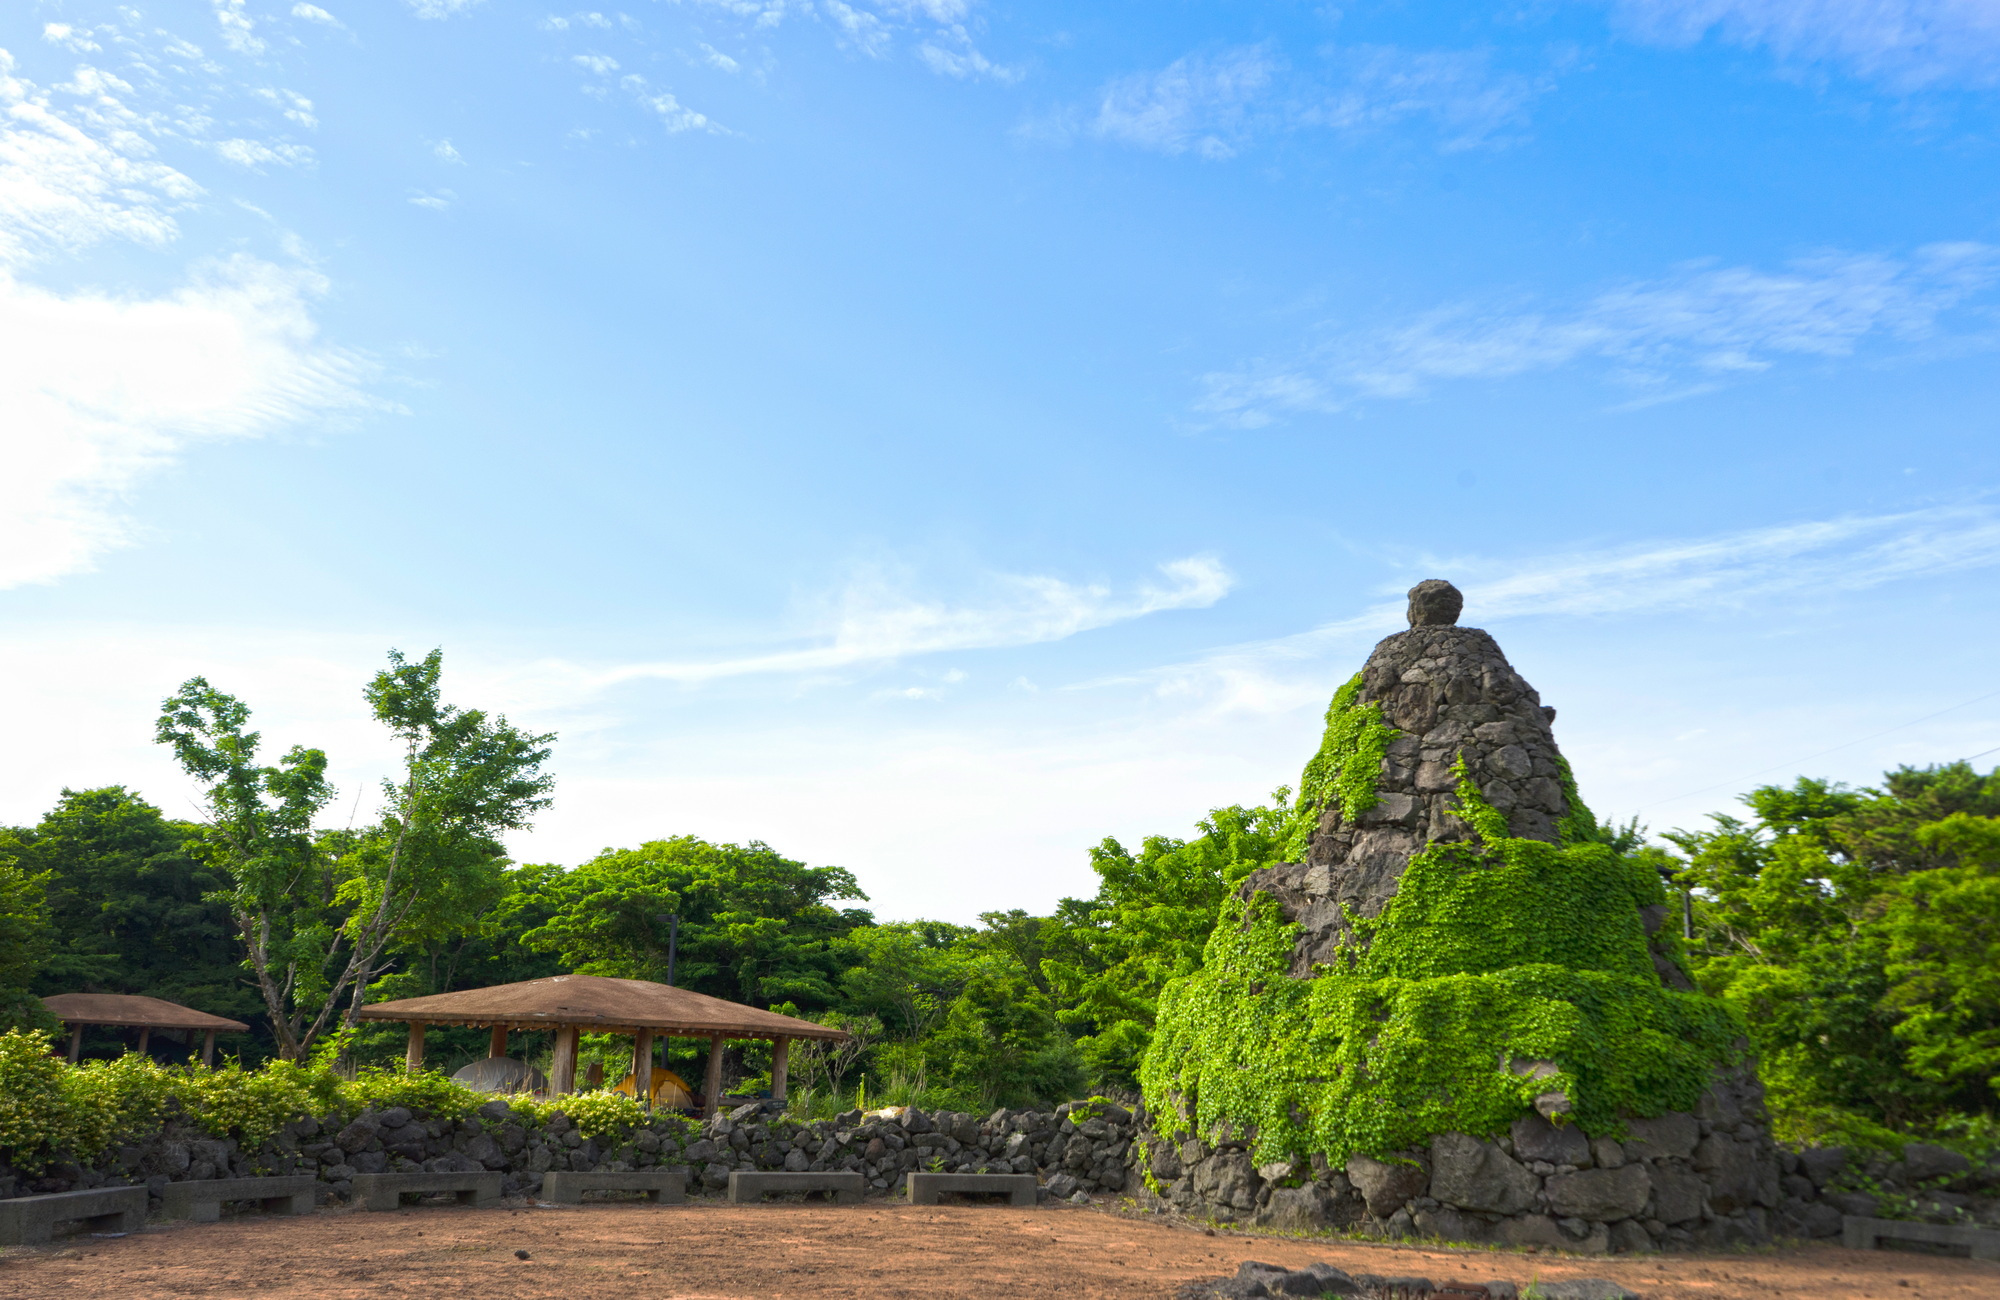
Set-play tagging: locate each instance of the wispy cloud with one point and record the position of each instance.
(440, 9)
(70, 38)
(257, 154)
(1708, 575)
(238, 28)
(674, 115)
(315, 14)
(1687, 332)
(1215, 104)
(943, 31)
(100, 388)
(296, 107)
(877, 622)
(63, 189)
(1906, 43)
(1204, 103)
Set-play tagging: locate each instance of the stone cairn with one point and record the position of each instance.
(1711, 1177)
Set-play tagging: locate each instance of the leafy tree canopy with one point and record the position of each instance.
(755, 927)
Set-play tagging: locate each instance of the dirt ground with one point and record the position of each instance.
(778, 1252)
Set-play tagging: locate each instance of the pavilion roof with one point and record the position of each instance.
(131, 1009)
(600, 1005)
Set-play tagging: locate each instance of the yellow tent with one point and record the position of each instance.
(670, 1091)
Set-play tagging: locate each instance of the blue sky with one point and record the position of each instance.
(932, 436)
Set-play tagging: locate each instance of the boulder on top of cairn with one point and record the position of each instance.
(1451, 982)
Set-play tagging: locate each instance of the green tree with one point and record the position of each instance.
(906, 974)
(1852, 929)
(132, 906)
(259, 832)
(1001, 1045)
(323, 917)
(1942, 933)
(25, 938)
(755, 927)
(1108, 958)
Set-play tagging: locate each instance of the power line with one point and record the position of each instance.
(1836, 749)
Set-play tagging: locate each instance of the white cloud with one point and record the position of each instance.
(1684, 333)
(1200, 102)
(951, 53)
(1906, 43)
(436, 202)
(863, 30)
(1215, 104)
(877, 623)
(63, 189)
(438, 9)
(602, 65)
(293, 105)
(673, 114)
(69, 38)
(717, 59)
(1717, 575)
(315, 14)
(1457, 91)
(99, 387)
(444, 152)
(255, 154)
(238, 28)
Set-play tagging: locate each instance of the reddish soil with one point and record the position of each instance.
(814, 1252)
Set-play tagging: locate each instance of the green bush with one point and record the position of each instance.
(51, 1111)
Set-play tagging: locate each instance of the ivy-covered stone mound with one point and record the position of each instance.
(1457, 965)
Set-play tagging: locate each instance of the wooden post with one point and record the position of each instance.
(499, 1046)
(413, 1055)
(75, 1043)
(145, 1037)
(711, 1088)
(562, 1070)
(781, 1051)
(642, 1067)
(208, 1050)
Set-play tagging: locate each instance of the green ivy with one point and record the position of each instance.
(1489, 956)
(1345, 769)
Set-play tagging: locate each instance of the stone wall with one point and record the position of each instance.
(1079, 1148)
(1680, 1181)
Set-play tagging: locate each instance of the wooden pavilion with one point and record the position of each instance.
(129, 1010)
(572, 1005)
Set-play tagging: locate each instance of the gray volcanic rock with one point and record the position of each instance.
(1450, 694)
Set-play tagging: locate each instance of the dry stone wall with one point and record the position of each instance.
(1078, 1149)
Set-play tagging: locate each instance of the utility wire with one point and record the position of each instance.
(1836, 749)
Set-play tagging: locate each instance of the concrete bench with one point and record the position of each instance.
(1938, 1238)
(661, 1186)
(386, 1191)
(201, 1200)
(747, 1187)
(1019, 1189)
(32, 1220)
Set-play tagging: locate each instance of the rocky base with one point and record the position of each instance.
(1080, 1148)
(1680, 1181)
